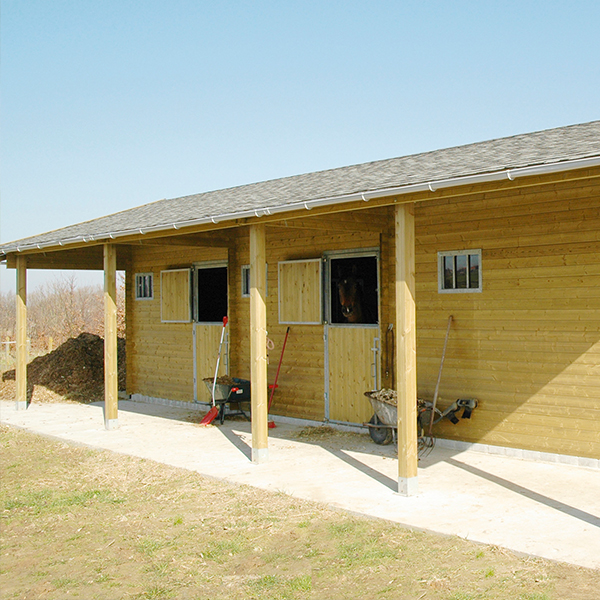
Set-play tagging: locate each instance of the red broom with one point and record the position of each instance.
(211, 415)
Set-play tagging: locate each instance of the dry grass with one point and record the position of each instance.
(84, 524)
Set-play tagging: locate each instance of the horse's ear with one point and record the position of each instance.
(354, 270)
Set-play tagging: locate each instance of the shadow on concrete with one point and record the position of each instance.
(237, 441)
(522, 491)
(369, 471)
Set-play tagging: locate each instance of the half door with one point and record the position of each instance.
(351, 334)
(209, 307)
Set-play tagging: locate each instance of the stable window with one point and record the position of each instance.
(144, 284)
(459, 271)
(210, 293)
(246, 281)
(353, 290)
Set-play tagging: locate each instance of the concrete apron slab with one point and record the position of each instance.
(540, 509)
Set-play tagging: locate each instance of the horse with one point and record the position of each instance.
(350, 295)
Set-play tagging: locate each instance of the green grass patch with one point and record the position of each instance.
(53, 500)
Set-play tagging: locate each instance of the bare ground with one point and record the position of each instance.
(78, 523)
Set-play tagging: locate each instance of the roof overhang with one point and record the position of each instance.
(230, 218)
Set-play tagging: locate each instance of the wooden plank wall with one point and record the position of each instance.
(160, 355)
(302, 377)
(528, 346)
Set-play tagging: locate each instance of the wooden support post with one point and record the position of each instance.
(258, 344)
(111, 368)
(21, 337)
(406, 356)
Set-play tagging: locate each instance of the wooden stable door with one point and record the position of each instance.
(207, 337)
(351, 334)
(353, 356)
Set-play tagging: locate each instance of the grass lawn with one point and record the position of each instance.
(78, 523)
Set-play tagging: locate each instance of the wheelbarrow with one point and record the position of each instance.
(234, 391)
(383, 426)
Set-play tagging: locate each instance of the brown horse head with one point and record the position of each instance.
(350, 299)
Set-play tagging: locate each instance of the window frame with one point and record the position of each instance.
(245, 291)
(441, 272)
(147, 277)
(199, 266)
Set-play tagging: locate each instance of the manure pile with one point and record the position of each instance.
(74, 371)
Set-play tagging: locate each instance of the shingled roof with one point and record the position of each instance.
(565, 147)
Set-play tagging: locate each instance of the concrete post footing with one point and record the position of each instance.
(260, 455)
(408, 486)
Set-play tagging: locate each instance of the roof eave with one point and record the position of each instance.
(505, 174)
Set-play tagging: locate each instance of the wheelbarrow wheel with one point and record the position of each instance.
(380, 435)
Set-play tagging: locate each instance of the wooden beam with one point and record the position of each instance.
(111, 368)
(89, 259)
(21, 337)
(375, 220)
(258, 344)
(406, 356)
(194, 240)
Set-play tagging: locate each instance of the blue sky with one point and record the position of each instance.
(109, 104)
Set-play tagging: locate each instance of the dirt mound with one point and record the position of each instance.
(75, 370)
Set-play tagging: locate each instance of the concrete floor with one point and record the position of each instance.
(540, 509)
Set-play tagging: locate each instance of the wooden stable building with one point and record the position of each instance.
(504, 236)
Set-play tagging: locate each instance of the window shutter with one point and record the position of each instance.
(175, 296)
(300, 291)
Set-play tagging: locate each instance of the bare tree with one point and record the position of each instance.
(7, 315)
(61, 309)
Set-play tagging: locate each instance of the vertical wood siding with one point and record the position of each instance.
(175, 296)
(208, 340)
(299, 290)
(347, 375)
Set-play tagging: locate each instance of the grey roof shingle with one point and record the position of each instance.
(545, 147)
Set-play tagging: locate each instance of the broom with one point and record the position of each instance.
(211, 415)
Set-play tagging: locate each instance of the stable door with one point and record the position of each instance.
(209, 303)
(352, 341)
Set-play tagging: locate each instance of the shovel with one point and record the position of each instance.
(211, 415)
(437, 385)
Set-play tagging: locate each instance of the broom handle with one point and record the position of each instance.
(218, 360)
(437, 385)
